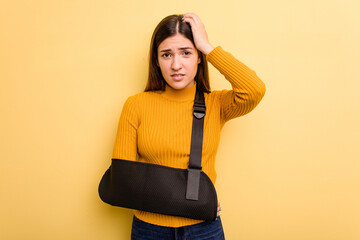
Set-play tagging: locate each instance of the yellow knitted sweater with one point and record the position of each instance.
(156, 126)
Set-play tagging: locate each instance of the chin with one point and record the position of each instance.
(179, 85)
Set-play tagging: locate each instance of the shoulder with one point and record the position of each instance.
(143, 96)
(141, 99)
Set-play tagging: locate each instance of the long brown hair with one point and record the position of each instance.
(168, 27)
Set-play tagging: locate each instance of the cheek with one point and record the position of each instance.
(162, 66)
(194, 68)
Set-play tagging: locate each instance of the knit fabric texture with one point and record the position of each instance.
(155, 126)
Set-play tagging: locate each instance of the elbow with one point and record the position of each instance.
(258, 93)
(258, 89)
(255, 97)
(261, 91)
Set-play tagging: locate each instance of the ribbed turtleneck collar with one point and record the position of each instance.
(182, 95)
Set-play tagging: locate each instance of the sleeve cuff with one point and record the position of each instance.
(214, 53)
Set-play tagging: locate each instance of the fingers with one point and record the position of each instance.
(199, 32)
(193, 19)
(219, 209)
(192, 16)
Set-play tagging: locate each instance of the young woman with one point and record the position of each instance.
(155, 125)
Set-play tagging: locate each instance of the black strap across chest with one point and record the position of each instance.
(194, 168)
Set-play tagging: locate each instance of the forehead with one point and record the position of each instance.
(174, 42)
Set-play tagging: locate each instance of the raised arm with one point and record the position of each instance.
(248, 89)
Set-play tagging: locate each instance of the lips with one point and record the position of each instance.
(177, 76)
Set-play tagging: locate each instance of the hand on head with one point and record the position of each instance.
(199, 33)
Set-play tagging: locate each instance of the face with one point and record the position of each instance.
(178, 60)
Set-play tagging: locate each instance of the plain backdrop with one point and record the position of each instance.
(288, 170)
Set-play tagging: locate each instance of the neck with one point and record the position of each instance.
(181, 95)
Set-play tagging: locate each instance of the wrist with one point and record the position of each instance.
(207, 49)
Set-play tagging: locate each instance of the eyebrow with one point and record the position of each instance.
(183, 48)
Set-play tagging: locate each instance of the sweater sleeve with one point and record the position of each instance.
(248, 89)
(125, 146)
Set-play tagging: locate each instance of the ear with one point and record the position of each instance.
(199, 60)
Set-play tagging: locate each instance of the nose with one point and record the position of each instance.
(176, 63)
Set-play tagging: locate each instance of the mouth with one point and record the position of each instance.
(178, 76)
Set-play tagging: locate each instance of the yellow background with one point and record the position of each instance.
(288, 170)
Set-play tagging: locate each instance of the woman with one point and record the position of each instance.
(155, 125)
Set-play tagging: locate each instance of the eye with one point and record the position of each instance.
(166, 55)
(187, 53)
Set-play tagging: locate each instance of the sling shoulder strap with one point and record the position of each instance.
(194, 168)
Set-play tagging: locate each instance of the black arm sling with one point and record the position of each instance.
(159, 189)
